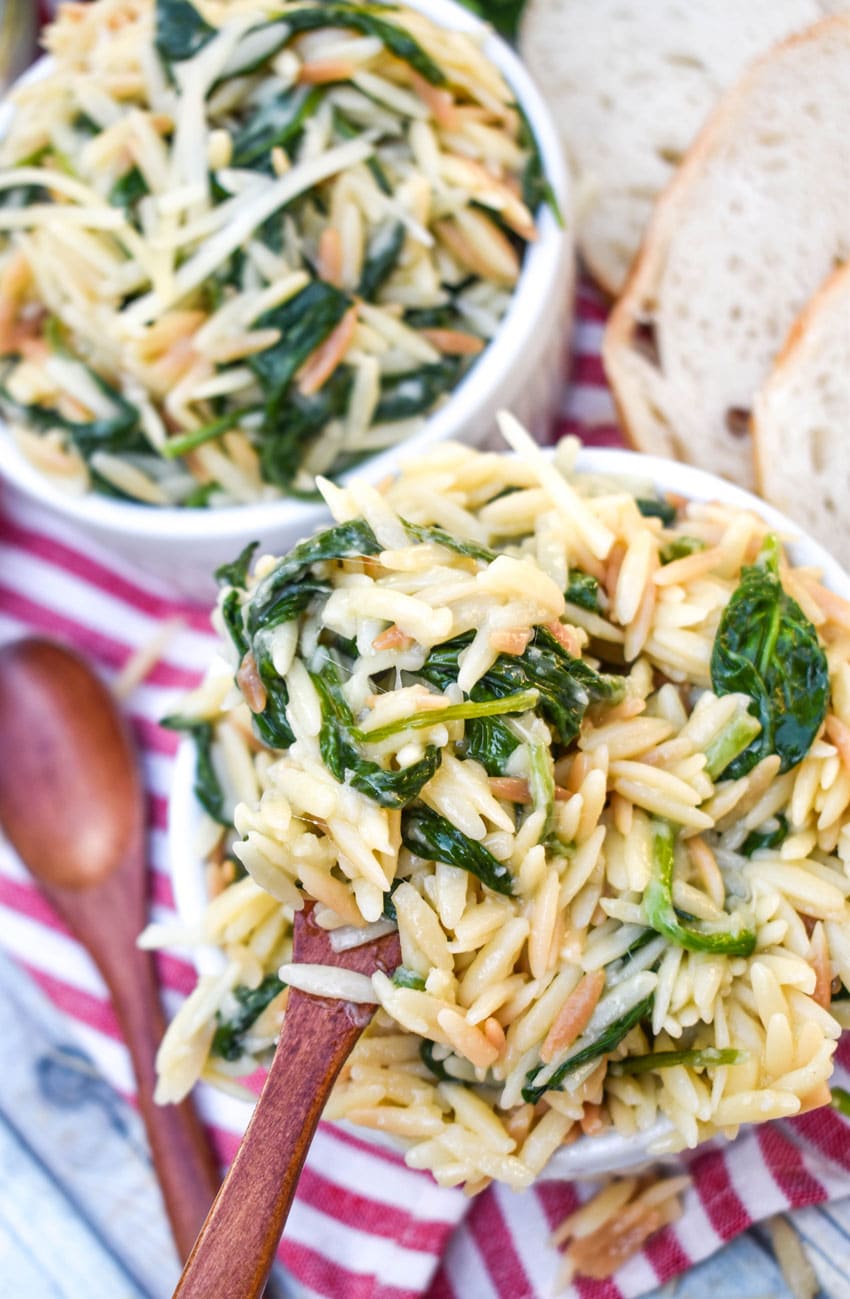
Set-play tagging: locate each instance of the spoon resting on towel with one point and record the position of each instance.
(72, 806)
(236, 1248)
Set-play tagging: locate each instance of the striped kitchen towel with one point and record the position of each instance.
(363, 1226)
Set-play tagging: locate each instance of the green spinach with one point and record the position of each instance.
(730, 939)
(566, 686)
(429, 835)
(180, 31)
(652, 507)
(607, 1041)
(381, 259)
(768, 649)
(343, 759)
(207, 787)
(406, 395)
(766, 838)
(228, 1039)
(278, 122)
(583, 590)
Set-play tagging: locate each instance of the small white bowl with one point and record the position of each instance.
(589, 1156)
(522, 369)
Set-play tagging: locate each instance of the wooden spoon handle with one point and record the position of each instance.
(185, 1165)
(236, 1248)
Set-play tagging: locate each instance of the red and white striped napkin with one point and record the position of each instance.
(363, 1226)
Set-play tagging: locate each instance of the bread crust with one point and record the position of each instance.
(798, 341)
(636, 302)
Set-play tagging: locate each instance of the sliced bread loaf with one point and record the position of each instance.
(757, 217)
(631, 83)
(801, 421)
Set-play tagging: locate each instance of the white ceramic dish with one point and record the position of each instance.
(589, 1156)
(522, 370)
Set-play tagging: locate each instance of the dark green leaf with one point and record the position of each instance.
(290, 419)
(768, 649)
(413, 393)
(583, 590)
(348, 131)
(275, 599)
(180, 30)
(118, 433)
(304, 322)
(343, 759)
(278, 122)
(566, 685)
(766, 838)
(236, 572)
(680, 548)
(433, 837)
(381, 259)
(652, 507)
(437, 1067)
(607, 1041)
(300, 421)
(207, 788)
(729, 939)
(129, 189)
(227, 1041)
(439, 537)
(404, 978)
(488, 741)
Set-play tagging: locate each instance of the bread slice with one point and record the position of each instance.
(757, 217)
(801, 421)
(630, 83)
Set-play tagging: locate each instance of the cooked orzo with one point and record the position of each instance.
(249, 242)
(589, 749)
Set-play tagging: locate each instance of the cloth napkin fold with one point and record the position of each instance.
(363, 1225)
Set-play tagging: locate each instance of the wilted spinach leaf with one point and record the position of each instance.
(180, 30)
(381, 259)
(431, 836)
(228, 1038)
(583, 590)
(236, 572)
(566, 685)
(608, 1040)
(275, 123)
(764, 838)
(652, 507)
(207, 788)
(405, 395)
(768, 649)
(119, 433)
(344, 760)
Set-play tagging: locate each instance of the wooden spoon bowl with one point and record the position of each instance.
(72, 806)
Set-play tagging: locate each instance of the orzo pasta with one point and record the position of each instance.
(585, 748)
(249, 242)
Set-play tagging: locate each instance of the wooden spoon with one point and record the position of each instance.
(239, 1239)
(72, 805)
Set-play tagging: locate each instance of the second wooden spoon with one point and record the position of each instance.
(72, 805)
(236, 1248)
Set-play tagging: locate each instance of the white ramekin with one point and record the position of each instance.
(589, 1156)
(522, 369)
